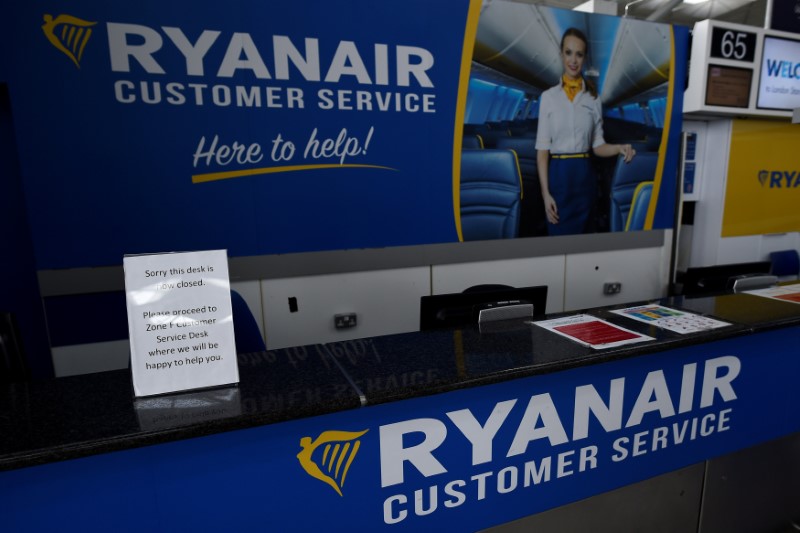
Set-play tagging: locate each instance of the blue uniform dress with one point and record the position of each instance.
(569, 130)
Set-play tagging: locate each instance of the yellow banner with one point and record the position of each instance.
(763, 190)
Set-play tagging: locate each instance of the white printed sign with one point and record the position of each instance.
(180, 321)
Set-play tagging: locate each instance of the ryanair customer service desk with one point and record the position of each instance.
(453, 429)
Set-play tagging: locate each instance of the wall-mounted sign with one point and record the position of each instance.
(307, 128)
(262, 130)
(742, 70)
(180, 321)
(728, 86)
(763, 185)
(690, 151)
(728, 43)
(688, 177)
(779, 83)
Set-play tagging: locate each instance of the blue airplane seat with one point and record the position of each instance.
(491, 190)
(525, 148)
(533, 221)
(653, 142)
(491, 136)
(472, 141)
(475, 128)
(639, 206)
(785, 263)
(626, 177)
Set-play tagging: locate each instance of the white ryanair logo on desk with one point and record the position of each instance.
(469, 457)
(68, 34)
(338, 450)
(473, 454)
(531, 454)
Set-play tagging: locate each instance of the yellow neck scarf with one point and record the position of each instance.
(571, 87)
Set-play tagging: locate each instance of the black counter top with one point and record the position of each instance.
(72, 417)
(94, 413)
(746, 309)
(397, 367)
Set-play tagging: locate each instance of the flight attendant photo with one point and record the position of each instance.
(570, 124)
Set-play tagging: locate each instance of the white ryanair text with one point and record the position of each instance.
(140, 44)
(415, 444)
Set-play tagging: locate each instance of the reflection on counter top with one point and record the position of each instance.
(82, 415)
(746, 309)
(396, 367)
(174, 410)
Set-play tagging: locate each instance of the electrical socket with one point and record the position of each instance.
(345, 320)
(612, 287)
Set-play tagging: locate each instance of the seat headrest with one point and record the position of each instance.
(497, 166)
(525, 147)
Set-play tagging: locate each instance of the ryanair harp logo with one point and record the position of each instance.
(69, 34)
(338, 450)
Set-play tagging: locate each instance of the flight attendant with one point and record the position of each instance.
(571, 123)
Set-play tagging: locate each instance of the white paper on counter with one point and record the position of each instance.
(180, 321)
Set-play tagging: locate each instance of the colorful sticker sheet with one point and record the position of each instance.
(670, 319)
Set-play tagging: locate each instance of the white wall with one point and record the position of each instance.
(250, 292)
(384, 301)
(89, 358)
(387, 301)
(643, 274)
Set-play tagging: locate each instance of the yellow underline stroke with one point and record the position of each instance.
(662, 152)
(215, 176)
(461, 106)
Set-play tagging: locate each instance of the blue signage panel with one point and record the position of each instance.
(688, 177)
(258, 129)
(305, 127)
(463, 460)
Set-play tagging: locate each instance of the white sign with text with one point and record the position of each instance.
(180, 321)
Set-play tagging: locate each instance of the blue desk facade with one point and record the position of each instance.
(410, 432)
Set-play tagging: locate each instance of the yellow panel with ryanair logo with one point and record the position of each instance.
(763, 189)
